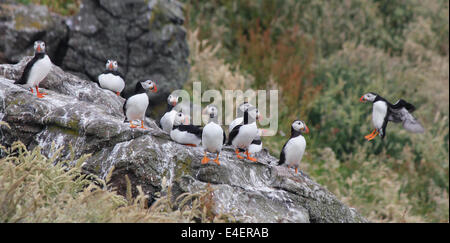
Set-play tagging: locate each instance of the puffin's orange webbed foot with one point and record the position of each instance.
(132, 126)
(238, 155)
(216, 160)
(191, 145)
(205, 160)
(372, 137)
(250, 158)
(142, 125)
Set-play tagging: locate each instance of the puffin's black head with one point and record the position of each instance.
(149, 85)
(368, 97)
(211, 110)
(299, 126)
(39, 47)
(173, 100)
(112, 65)
(181, 119)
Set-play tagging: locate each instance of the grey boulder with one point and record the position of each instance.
(80, 117)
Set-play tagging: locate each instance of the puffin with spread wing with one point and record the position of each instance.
(384, 112)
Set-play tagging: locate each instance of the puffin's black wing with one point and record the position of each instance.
(197, 130)
(125, 110)
(403, 104)
(26, 72)
(233, 134)
(257, 141)
(282, 155)
(224, 137)
(401, 112)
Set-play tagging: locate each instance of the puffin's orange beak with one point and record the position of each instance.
(186, 120)
(110, 66)
(174, 103)
(306, 129)
(38, 49)
(361, 99)
(155, 89)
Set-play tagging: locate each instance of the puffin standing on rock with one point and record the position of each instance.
(294, 148)
(189, 135)
(383, 112)
(213, 136)
(135, 106)
(111, 78)
(242, 135)
(36, 69)
(166, 122)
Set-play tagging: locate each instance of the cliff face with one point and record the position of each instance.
(83, 118)
(146, 37)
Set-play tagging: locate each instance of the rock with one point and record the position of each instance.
(79, 116)
(21, 25)
(146, 37)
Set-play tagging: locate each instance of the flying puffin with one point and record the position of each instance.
(383, 112)
(166, 122)
(135, 106)
(240, 115)
(36, 69)
(189, 135)
(111, 78)
(213, 136)
(242, 135)
(294, 148)
(256, 145)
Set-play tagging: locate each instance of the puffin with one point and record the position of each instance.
(294, 148)
(111, 78)
(166, 122)
(189, 135)
(135, 106)
(383, 112)
(213, 136)
(242, 135)
(239, 115)
(36, 69)
(256, 145)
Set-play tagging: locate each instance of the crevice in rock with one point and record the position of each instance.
(61, 49)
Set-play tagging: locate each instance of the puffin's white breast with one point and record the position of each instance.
(245, 135)
(136, 106)
(167, 121)
(379, 112)
(184, 137)
(212, 137)
(39, 71)
(111, 82)
(294, 150)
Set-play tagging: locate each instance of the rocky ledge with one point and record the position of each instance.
(80, 117)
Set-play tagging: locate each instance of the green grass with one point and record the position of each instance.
(322, 56)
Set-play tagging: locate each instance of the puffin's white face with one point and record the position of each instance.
(112, 65)
(180, 119)
(39, 47)
(212, 111)
(150, 85)
(300, 126)
(368, 97)
(172, 100)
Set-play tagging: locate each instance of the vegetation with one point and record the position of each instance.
(34, 189)
(322, 56)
